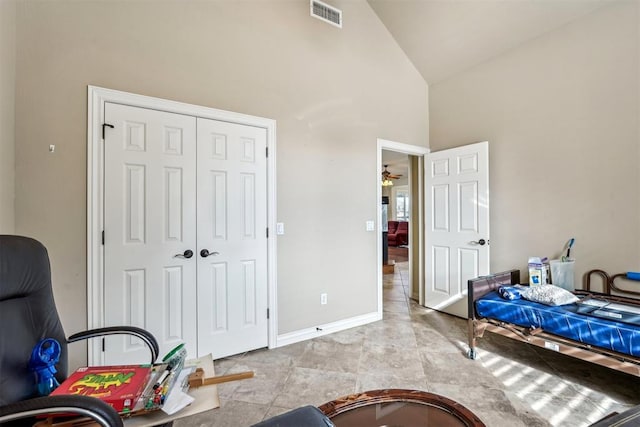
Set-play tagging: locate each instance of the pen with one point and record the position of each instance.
(163, 377)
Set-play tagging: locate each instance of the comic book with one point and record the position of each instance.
(119, 386)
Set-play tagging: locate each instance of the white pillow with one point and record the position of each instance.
(549, 295)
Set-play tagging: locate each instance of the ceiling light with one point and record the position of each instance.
(387, 177)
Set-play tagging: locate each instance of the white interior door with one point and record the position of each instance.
(457, 229)
(232, 227)
(150, 207)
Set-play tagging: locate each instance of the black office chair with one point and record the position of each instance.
(28, 315)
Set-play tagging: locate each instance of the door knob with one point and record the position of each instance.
(480, 242)
(186, 254)
(205, 253)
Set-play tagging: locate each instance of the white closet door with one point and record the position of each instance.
(149, 223)
(232, 224)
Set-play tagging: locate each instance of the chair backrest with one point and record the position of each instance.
(392, 226)
(27, 314)
(403, 226)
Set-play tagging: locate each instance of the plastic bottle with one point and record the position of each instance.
(537, 272)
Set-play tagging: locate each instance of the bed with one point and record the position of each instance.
(601, 328)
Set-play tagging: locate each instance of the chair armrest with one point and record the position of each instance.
(144, 335)
(308, 416)
(402, 238)
(86, 406)
(628, 418)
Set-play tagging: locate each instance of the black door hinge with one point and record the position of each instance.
(102, 237)
(267, 313)
(266, 151)
(267, 232)
(103, 344)
(105, 125)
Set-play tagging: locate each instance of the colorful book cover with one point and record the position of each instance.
(119, 386)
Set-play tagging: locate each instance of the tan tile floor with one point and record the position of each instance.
(510, 384)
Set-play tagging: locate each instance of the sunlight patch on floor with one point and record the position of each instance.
(532, 386)
(522, 375)
(492, 361)
(605, 403)
(504, 368)
(574, 405)
(555, 392)
(518, 377)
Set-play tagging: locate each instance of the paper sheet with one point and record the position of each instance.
(178, 399)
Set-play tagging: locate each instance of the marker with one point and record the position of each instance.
(569, 246)
(163, 377)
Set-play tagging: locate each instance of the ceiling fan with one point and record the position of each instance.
(388, 176)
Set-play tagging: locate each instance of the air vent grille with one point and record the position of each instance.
(326, 13)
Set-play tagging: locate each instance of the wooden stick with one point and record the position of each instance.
(197, 379)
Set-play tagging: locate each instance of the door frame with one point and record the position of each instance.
(96, 99)
(414, 150)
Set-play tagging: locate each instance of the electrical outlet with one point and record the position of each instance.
(323, 299)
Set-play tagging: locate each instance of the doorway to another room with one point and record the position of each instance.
(448, 227)
(397, 205)
(402, 216)
(396, 201)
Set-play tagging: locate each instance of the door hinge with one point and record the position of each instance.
(267, 232)
(102, 237)
(105, 125)
(103, 345)
(266, 149)
(267, 313)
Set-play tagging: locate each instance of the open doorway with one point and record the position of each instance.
(401, 242)
(396, 196)
(449, 215)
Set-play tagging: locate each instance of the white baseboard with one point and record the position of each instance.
(329, 328)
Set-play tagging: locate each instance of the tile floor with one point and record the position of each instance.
(509, 385)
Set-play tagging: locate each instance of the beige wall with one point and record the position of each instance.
(7, 113)
(561, 116)
(332, 93)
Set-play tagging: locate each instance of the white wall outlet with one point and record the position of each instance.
(52, 148)
(280, 228)
(323, 299)
(371, 226)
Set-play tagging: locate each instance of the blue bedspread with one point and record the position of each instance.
(562, 321)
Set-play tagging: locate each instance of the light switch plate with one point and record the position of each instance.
(280, 228)
(371, 226)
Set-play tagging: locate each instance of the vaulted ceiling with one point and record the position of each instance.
(445, 37)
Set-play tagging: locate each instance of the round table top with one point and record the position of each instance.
(399, 408)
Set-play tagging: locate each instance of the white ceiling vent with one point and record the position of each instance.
(326, 13)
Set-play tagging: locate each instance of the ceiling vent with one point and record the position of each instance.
(326, 13)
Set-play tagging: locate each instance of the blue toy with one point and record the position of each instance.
(42, 363)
